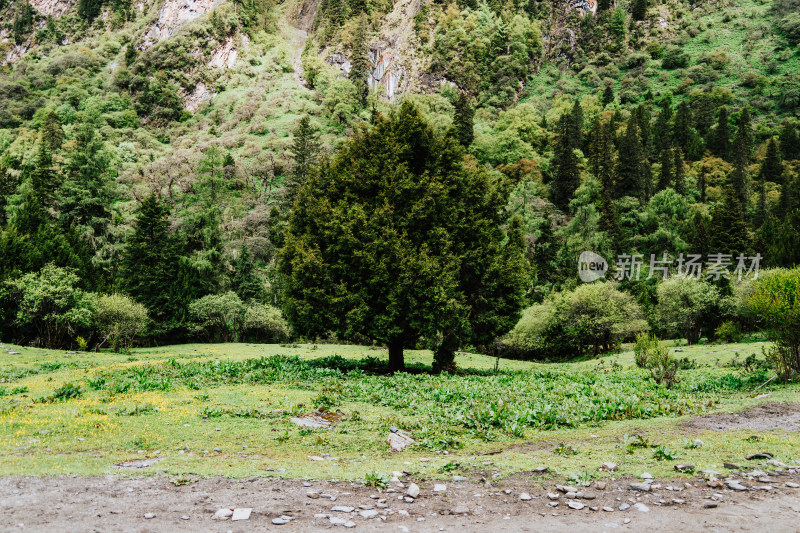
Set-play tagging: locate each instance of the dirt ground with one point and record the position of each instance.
(154, 504)
(765, 417)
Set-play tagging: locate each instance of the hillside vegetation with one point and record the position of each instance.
(156, 153)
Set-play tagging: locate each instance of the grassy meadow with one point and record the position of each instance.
(224, 410)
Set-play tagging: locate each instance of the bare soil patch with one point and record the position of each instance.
(764, 417)
(154, 504)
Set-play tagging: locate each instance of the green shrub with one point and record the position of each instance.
(728, 331)
(119, 320)
(592, 318)
(51, 306)
(674, 58)
(683, 306)
(265, 323)
(643, 349)
(663, 367)
(218, 317)
(776, 301)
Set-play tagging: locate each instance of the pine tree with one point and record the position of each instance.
(86, 195)
(44, 180)
(790, 141)
(667, 177)
(608, 95)
(761, 206)
(601, 156)
(566, 175)
(360, 70)
(639, 9)
(742, 148)
(682, 128)
(771, 167)
(576, 125)
(729, 231)
(463, 120)
(630, 164)
(52, 133)
(680, 172)
(720, 138)
(245, 282)
(304, 152)
(702, 183)
(662, 132)
(151, 263)
(399, 238)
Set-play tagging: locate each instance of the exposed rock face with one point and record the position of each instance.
(53, 8)
(174, 14)
(584, 5)
(200, 95)
(224, 55)
(386, 73)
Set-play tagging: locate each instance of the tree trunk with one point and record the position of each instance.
(396, 362)
(444, 357)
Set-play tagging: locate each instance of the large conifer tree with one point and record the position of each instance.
(399, 237)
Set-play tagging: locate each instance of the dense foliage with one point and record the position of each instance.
(138, 166)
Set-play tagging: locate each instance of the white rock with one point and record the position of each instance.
(413, 490)
(576, 505)
(439, 487)
(369, 513)
(610, 467)
(642, 508)
(525, 497)
(223, 514)
(241, 514)
(343, 509)
(148, 516)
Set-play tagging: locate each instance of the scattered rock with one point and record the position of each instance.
(624, 507)
(413, 490)
(684, 468)
(315, 458)
(342, 509)
(553, 495)
(610, 467)
(139, 463)
(710, 505)
(575, 505)
(541, 469)
(731, 466)
(601, 485)
(439, 487)
(149, 516)
(792, 485)
(398, 439)
(642, 508)
(525, 497)
(313, 494)
(645, 475)
(369, 513)
(608, 509)
(460, 509)
(223, 514)
(280, 521)
(735, 485)
(642, 487)
(241, 514)
(763, 455)
(459, 478)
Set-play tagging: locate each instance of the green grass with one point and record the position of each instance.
(225, 409)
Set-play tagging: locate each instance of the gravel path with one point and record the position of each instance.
(154, 504)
